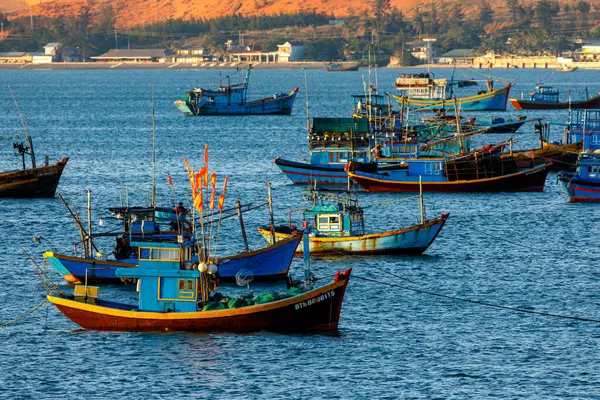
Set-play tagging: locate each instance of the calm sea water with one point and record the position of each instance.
(527, 250)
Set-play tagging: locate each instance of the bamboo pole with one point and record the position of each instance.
(270, 200)
(238, 205)
(421, 204)
(89, 218)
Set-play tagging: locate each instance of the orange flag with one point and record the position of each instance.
(212, 200)
(225, 185)
(204, 173)
(213, 180)
(187, 166)
(206, 154)
(199, 179)
(221, 202)
(198, 202)
(169, 180)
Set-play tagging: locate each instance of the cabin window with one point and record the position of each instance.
(329, 223)
(595, 139)
(159, 254)
(186, 284)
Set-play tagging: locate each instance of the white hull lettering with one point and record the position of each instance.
(315, 300)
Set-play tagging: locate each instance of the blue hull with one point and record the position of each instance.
(268, 263)
(489, 101)
(304, 173)
(579, 190)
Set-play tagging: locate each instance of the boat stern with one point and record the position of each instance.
(184, 107)
(56, 263)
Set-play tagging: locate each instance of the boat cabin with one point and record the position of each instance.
(335, 216)
(168, 278)
(422, 86)
(586, 128)
(544, 94)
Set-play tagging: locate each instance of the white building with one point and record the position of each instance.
(290, 51)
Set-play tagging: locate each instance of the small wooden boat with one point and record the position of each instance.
(562, 156)
(566, 68)
(547, 98)
(33, 181)
(173, 297)
(339, 67)
(232, 100)
(338, 228)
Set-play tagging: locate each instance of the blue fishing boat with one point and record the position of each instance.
(546, 97)
(425, 92)
(583, 185)
(341, 66)
(232, 100)
(338, 228)
(178, 294)
(267, 263)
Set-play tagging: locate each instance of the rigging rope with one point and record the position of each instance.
(24, 315)
(481, 303)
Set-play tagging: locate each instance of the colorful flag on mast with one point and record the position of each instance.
(206, 154)
(221, 201)
(213, 180)
(169, 180)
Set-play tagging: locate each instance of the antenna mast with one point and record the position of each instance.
(25, 128)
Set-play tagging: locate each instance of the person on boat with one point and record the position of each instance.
(376, 151)
(180, 209)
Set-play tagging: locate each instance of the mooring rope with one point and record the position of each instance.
(28, 313)
(478, 302)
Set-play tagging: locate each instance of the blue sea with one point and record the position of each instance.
(532, 251)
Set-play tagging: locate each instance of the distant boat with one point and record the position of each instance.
(547, 98)
(566, 68)
(424, 92)
(33, 181)
(232, 100)
(339, 229)
(335, 67)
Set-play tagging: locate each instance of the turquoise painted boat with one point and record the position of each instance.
(232, 100)
(337, 227)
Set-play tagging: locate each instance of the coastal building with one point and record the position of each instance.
(290, 51)
(590, 51)
(191, 54)
(425, 51)
(132, 55)
(456, 56)
(15, 57)
(41, 58)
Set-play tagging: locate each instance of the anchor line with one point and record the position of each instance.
(28, 313)
(481, 303)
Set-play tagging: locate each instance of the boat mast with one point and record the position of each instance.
(153, 201)
(26, 129)
(307, 109)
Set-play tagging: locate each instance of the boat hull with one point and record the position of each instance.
(33, 182)
(268, 106)
(529, 180)
(413, 240)
(316, 310)
(579, 190)
(305, 173)
(495, 100)
(594, 102)
(269, 263)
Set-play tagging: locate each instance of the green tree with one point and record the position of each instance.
(486, 14)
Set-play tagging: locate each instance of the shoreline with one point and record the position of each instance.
(212, 66)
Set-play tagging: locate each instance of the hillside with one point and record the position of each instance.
(130, 13)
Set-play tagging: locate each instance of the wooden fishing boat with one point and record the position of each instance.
(232, 100)
(175, 298)
(547, 98)
(338, 228)
(340, 67)
(566, 68)
(562, 156)
(267, 263)
(424, 92)
(33, 181)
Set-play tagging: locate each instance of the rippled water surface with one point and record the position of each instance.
(532, 251)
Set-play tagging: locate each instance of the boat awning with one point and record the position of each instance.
(340, 125)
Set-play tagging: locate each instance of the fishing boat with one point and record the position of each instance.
(425, 92)
(176, 294)
(483, 170)
(583, 185)
(547, 98)
(340, 66)
(232, 100)
(31, 181)
(498, 124)
(566, 68)
(338, 228)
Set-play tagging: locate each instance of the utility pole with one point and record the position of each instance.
(116, 41)
(2, 28)
(31, 17)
